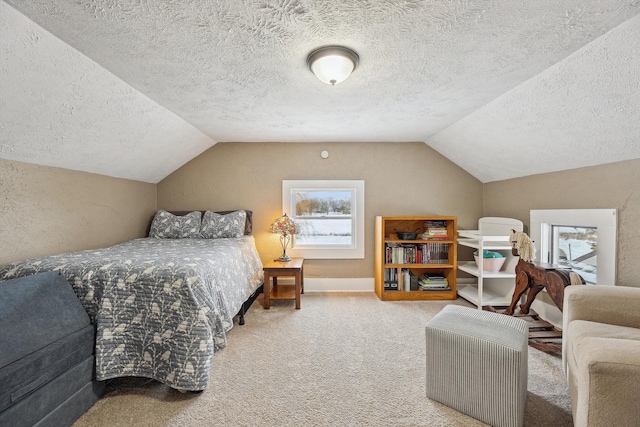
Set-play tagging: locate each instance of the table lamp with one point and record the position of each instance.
(285, 227)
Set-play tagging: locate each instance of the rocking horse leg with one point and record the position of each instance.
(522, 284)
(533, 292)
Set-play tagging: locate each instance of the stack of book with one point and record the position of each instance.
(435, 230)
(433, 282)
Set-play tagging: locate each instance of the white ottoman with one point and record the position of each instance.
(477, 364)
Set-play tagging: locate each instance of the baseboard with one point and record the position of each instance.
(364, 284)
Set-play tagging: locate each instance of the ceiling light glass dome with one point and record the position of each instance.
(332, 64)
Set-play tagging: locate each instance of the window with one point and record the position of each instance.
(576, 247)
(330, 216)
(583, 239)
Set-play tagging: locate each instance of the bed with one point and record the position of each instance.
(163, 304)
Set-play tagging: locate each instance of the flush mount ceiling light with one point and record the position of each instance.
(332, 64)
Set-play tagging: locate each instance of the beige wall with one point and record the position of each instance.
(615, 185)
(400, 179)
(46, 210)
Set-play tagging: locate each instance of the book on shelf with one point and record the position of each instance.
(434, 283)
(429, 236)
(413, 282)
(435, 223)
(443, 288)
(390, 275)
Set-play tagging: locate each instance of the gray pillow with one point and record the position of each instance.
(166, 225)
(216, 226)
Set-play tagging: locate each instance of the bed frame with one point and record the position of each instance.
(247, 304)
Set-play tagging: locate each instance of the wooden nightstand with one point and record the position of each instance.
(273, 270)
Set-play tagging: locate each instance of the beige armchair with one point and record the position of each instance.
(601, 354)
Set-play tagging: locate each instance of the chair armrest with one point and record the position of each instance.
(601, 354)
(607, 374)
(613, 305)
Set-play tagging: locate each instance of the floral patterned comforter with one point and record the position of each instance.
(162, 306)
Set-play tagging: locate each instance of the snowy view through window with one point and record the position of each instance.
(324, 218)
(576, 248)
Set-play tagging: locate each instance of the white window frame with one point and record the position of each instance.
(604, 220)
(355, 251)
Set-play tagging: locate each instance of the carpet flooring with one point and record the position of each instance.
(343, 359)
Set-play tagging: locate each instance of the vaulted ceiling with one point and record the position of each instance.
(136, 88)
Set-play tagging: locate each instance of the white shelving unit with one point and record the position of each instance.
(489, 288)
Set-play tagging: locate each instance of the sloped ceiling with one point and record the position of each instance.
(135, 89)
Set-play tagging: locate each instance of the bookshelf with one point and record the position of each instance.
(489, 288)
(420, 269)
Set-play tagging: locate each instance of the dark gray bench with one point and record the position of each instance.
(46, 353)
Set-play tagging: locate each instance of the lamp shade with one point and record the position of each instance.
(283, 225)
(332, 64)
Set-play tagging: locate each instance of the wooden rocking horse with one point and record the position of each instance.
(533, 277)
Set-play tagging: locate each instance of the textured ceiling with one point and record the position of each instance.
(503, 88)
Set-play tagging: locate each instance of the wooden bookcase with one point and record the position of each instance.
(397, 257)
